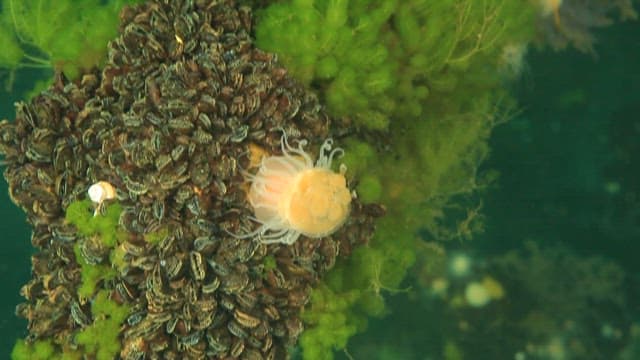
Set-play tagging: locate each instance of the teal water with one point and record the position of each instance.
(15, 244)
(569, 170)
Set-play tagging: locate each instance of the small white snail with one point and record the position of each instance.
(99, 193)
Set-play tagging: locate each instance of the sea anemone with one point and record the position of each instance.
(292, 196)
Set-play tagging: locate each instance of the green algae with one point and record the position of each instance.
(378, 61)
(65, 35)
(101, 338)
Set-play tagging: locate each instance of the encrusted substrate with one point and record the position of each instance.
(168, 122)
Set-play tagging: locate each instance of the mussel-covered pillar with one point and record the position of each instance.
(153, 262)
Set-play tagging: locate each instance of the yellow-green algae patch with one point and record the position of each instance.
(104, 225)
(91, 274)
(101, 338)
(64, 34)
(157, 236)
(377, 61)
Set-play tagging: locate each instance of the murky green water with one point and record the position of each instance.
(15, 246)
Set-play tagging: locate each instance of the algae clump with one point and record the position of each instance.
(101, 338)
(375, 61)
(66, 35)
(80, 214)
(105, 228)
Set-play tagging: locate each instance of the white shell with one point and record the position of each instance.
(101, 191)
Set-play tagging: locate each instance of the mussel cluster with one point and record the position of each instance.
(169, 121)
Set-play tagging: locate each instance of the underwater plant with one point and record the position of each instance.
(69, 36)
(375, 62)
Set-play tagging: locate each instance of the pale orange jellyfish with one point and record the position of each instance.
(292, 196)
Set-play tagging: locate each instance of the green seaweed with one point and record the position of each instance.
(321, 41)
(269, 263)
(81, 214)
(42, 350)
(420, 182)
(105, 227)
(331, 328)
(39, 350)
(91, 274)
(377, 61)
(66, 35)
(101, 338)
(154, 238)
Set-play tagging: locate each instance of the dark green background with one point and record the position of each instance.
(579, 132)
(15, 233)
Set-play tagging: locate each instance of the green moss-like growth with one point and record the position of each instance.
(369, 189)
(359, 159)
(331, 328)
(70, 355)
(419, 182)
(68, 35)
(39, 350)
(269, 263)
(354, 290)
(117, 259)
(378, 60)
(101, 337)
(81, 214)
(105, 227)
(91, 274)
(42, 350)
(323, 41)
(155, 237)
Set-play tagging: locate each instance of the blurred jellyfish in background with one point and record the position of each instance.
(564, 23)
